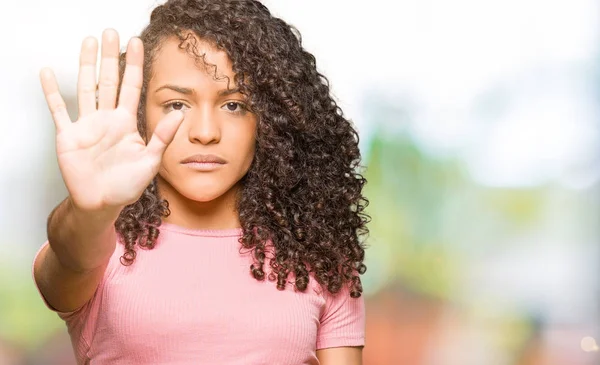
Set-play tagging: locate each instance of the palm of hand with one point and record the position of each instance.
(98, 158)
(102, 158)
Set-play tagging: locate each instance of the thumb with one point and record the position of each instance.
(164, 134)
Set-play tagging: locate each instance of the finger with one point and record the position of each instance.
(109, 70)
(132, 79)
(86, 85)
(55, 102)
(164, 134)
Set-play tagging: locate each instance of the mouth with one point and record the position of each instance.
(204, 162)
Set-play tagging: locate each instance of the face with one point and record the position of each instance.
(214, 146)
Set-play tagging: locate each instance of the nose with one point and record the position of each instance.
(203, 126)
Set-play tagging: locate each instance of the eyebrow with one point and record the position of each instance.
(179, 89)
(188, 91)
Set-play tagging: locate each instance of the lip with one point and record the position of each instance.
(204, 159)
(203, 163)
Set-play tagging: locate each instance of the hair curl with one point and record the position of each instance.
(303, 191)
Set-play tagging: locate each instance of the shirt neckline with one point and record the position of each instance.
(228, 232)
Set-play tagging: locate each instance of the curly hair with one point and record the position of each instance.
(303, 191)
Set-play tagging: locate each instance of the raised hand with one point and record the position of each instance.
(102, 158)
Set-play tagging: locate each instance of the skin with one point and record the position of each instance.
(340, 355)
(95, 151)
(216, 122)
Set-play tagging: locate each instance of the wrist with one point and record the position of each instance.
(98, 217)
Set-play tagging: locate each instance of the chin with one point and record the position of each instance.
(201, 189)
(202, 197)
(203, 193)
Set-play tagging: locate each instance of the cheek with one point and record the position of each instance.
(250, 132)
(249, 141)
(152, 117)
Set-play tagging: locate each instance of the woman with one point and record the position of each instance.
(215, 211)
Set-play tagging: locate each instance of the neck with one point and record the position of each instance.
(219, 213)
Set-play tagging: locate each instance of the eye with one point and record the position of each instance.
(235, 107)
(175, 105)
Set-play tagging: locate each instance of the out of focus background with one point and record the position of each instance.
(479, 123)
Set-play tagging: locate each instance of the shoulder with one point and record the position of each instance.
(342, 319)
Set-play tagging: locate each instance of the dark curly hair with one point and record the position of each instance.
(303, 191)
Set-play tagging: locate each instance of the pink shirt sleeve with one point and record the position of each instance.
(342, 322)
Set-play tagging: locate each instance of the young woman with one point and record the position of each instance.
(215, 212)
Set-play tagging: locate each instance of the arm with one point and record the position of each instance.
(69, 269)
(340, 355)
(341, 335)
(105, 165)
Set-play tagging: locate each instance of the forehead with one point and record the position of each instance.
(177, 60)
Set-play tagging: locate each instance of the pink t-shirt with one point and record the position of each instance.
(192, 300)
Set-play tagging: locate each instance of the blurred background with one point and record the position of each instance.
(479, 124)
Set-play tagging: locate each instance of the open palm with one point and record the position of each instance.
(102, 158)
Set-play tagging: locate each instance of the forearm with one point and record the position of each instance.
(80, 240)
